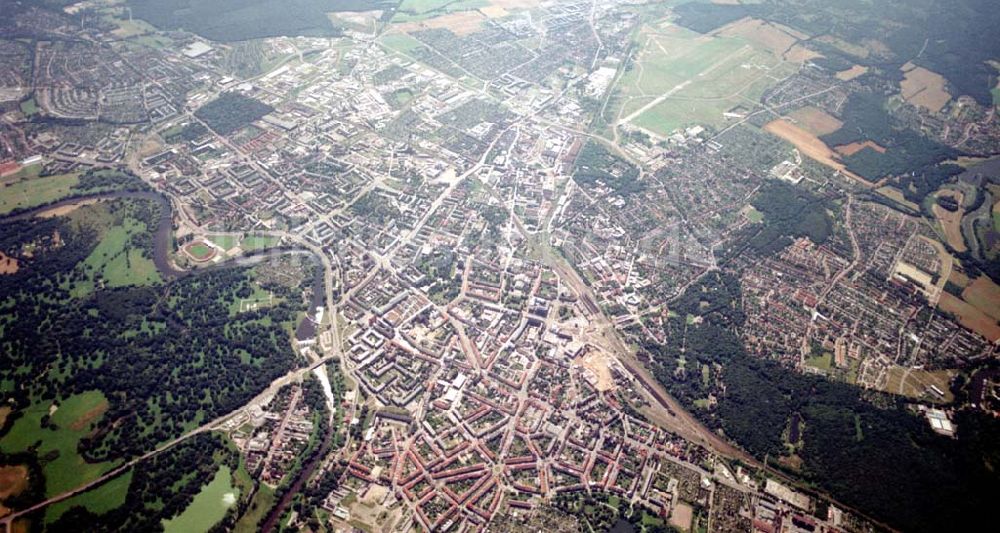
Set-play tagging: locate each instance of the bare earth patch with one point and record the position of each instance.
(855, 147)
(681, 515)
(851, 73)
(459, 23)
(816, 121)
(8, 265)
(13, 480)
(597, 363)
(66, 209)
(924, 88)
(515, 4)
(811, 146)
(494, 12)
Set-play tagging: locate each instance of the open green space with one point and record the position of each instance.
(226, 242)
(400, 42)
(411, 10)
(754, 216)
(104, 498)
(208, 507)
(57, 439)
(262, 501)
(29, 107)
(698, 77)
(821, 362)
(116, 262)
(37, 191)
(257, 242)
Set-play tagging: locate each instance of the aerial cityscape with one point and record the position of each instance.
(499, 265)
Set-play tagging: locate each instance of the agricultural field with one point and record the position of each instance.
(970, 316)
(984, 294)
(924, 88)
(815, 120)
(810, 145)
(681, 78)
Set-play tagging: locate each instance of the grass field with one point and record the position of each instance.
(104, 498)
(257, 242)
(681, 78)
(72, 421)
(262, 501)
(119, 264)
(29, 107)
(914, 383)
(260, 298)
(226, 242)
(208, 507)
(37, 191)
(822, 362)
(411, 10)
(400, 42)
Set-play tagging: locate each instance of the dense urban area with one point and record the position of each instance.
(499, 265)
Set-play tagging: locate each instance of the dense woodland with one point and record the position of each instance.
(240, 20)
(230, 112)
(913, 157)
(789, 212)
(167, 357)
(866, 449)
(596, 163)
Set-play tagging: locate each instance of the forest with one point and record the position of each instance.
(595, 162)
(866, 449)
(911, 156)
(241, 20)
(167, 356)
(232, 111)
(789, 212)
